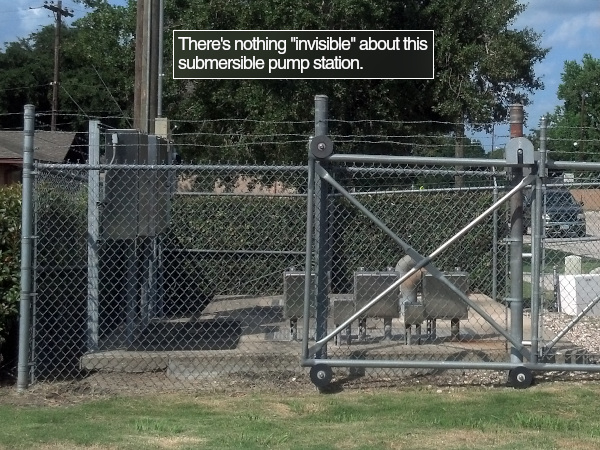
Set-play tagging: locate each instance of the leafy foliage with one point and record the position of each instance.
(222, 224)
(10, 254)
(574, 132)
(482, 64)
(96, 71)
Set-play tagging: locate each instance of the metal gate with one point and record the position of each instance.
(437, 282)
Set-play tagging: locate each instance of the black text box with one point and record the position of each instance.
(303, 54)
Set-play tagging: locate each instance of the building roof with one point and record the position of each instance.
(49, 146)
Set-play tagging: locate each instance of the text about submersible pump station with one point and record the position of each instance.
(303, 54)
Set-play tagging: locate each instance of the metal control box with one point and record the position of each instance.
(413, 313)
(367, 285)
(293, 294)
(342, 309)
(440, 301)
(136, 201)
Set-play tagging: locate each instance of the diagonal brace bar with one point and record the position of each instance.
(571, 324)
(422, 262)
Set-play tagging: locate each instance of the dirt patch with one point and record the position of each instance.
(106, 385)
(463, 438)
(576, 444)
(174, 442)
(280, 410)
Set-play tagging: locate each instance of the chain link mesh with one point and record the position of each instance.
(424, 206)
(570, 280)
(198, 271)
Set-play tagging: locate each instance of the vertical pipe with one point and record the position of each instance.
(93, 222)
(321, 231)
(495, 241)
(310, 207)
(556, 285)
(26, 248)
(537, 231)
(161, 31)
(131, 289)
(516, 242)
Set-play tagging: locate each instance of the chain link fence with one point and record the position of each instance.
(208, 290)
(198, 272)
(569, 284)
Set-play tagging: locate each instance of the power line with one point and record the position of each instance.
(110, 93)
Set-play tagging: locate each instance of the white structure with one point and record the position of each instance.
(578, 291)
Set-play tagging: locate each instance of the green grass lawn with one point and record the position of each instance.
(557, 415)
(557, 258)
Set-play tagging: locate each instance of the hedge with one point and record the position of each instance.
(10, 255)
(220, 226)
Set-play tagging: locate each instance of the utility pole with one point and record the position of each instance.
(145, 96)
(59, 12)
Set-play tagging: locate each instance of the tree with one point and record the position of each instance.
(574, 132)
(96, 71)
(26, 76)
(481, 66)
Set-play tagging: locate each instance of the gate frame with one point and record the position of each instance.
(519, 371)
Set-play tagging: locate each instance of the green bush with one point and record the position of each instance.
(10, 254)
(220, 226)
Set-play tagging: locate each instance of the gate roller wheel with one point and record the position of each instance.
(321, 375)
(321, 147)
(520, 377)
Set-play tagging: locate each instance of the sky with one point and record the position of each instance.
(570, 28)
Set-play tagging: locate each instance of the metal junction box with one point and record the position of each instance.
(442, 303)
(136, 201)
(293, 294)
(367, 285)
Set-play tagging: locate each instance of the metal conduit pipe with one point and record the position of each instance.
(409, 287)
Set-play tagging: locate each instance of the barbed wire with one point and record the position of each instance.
(574, 139)
(25, 87)
(108, 115)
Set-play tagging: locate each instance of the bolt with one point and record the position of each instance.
(321, 374)
(521, 377)
(321, 146)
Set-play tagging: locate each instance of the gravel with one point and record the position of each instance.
(585, 334)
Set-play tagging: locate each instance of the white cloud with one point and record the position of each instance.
(577, 31)
(31, 20)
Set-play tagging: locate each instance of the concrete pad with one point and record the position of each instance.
(265, 346)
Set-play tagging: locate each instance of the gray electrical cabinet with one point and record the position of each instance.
(440, 301)
(293, 294)
(136, 201)
(367, 285)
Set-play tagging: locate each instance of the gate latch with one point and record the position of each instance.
(519, 152)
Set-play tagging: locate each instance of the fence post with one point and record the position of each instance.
(321, 231)
(93, 237)
(516, 242)
(26, 248)
(537, 232)
(495, 240)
